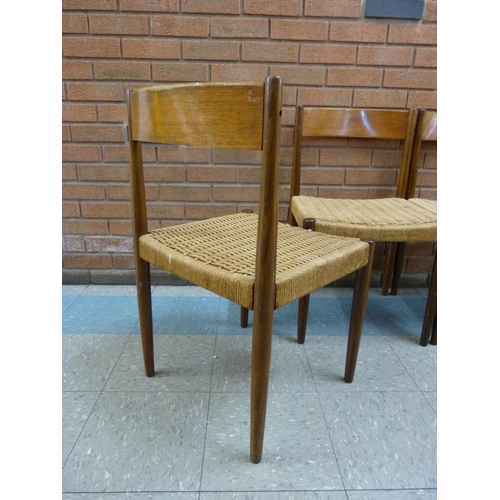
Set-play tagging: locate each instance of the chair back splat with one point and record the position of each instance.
(250, 259)
(354, 123)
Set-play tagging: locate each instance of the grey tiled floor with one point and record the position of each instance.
(184, 433)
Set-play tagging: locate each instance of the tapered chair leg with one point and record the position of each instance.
(262, 335)
(429, 327)
(302, 319)
(358, 310)
(309, 224)
(434, 335)
(398, 267)
(143, 281)
(389, 267)
(243, 317)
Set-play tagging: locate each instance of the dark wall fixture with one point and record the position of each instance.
(401, 9)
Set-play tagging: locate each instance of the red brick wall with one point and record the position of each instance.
(327, 52)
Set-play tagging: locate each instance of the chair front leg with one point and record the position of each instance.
(358, 310)
(143, 282)
(434, 335)
(262, 336)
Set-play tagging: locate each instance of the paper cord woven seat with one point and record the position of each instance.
(429, 205)
(386, 219)
(250, 259)
(219, 255)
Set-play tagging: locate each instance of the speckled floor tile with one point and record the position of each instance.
(326, 317)
(290, 370)
(382, 440)
(416, 304)
(89, 359)
(184, 315)
(378, 367)
(182, 363)
(229, 319)
(65, 342)
(182, 291)
(275, 495)
(430, 494)
(139, 442)
(297, 450)
(332, 317)
(393, 316)
(67, 300)
(131, 496)
(76, 408)
(111, 290)
(432, 398)
(409, 292)
(397, 316)
(73, 289)
(101, 314)
(129, 437)
(420, 362)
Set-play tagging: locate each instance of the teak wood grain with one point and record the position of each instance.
(220, 116)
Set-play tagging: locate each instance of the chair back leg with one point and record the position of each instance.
(358, 310)
(398, 267)
(143, 280)
(389, 267)
(429, 328)
(307, 223)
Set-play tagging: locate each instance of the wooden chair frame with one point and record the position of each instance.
(267, 128)
(426, 131)
(313, 122)
(238, 116)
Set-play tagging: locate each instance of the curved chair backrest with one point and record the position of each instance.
(199, 114)
(354, 123)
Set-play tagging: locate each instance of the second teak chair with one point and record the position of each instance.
(426, 133)
(250, 259)
(387, 220)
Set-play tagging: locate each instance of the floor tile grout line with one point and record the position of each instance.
(406, 369)
(208, 404)
(319, 395)
(324, 419)
(91, 411)
(101, 392)
(332, 443)
(116, 362)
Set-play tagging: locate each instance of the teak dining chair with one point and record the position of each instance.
(426, 132)
(389, 220)
(249, 259)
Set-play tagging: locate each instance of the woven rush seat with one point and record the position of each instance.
(386, 219)
(429, 205)
(219, 255)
